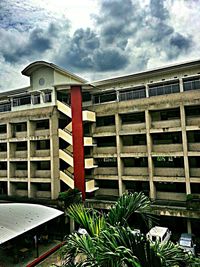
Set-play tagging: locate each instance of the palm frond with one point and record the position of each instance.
(83, 247)
(128, 204)
(89, 219)
(170, 254)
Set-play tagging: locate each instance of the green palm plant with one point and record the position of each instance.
(110, 242)
(127, 205)
(89, 219)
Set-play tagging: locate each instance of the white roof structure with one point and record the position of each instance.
(18, 218)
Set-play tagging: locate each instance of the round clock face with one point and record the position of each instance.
(41, 81)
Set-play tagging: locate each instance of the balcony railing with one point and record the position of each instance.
(105, 171)
(166, 124)
(136, 171)
(165, 172)
(134, 149)
(165, 148)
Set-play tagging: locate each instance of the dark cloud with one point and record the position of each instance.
(180, 41)
(39, 41)
(19, 47)
(109, 59)
(117, 21)
(79, 52)
(158, 10)
(86, 52)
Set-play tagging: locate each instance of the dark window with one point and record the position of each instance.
(44, 187)
(192, 111)
(43, 144)
(3, 147)
(21, 186)
(43, 165)
(163, 89)
(109, 141)
(167, 114)
(193, 136)
(86, 97)
(108, 184)
(134, 140)
(20, 127)
(135, 162)
(42, 124)
(107, 162)
(133, 118)
(102, 98)
(5, 107)
(168, 187)
(3, 129)
(194, 162)
(22, 166)
(132, 93)
(64, 97)
(47, 97)
(36, 99)
(22, 146)
(3, 165)
(23, 100)
(105, 121)
(191, 84)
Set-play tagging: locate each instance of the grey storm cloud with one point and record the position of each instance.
(86, 52)
(125, 36)
(180, 41)
(17, 46)
(117, 21)
(158, 10)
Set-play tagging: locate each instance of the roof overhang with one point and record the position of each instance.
(18, 218)
(148, 73)
(40, 64)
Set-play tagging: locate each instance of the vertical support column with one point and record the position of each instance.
(77, 139)
(71, 225)
(185, 150)
(181, 84)
(8, 158)
(54, 155)
(150, 160)
(119, 161)
(147, 90)
(189, 227)
(28, 157)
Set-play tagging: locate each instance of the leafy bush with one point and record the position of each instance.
(70, 193)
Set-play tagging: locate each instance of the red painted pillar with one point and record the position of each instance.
(77, 139)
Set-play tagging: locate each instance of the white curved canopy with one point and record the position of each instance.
(18, 218)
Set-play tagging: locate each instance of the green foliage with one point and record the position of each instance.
(89, 219)
(111, 243)
(63, 196)
(191, 197)
(169, 253)
(127, 205)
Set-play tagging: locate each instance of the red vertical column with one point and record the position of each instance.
(77, 139)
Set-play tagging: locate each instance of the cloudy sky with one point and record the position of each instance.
(96, 38)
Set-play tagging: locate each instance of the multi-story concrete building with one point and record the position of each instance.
(139, 132)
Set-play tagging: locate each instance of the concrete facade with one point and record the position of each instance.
(141, 133)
